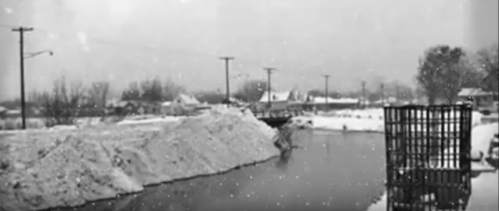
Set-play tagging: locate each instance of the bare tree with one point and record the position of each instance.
(171, 90)
(251, 91)
(152, 90)
(98, 93)
(399, 90)
(132, 93)
(62, 105)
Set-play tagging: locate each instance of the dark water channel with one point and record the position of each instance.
(333, 171)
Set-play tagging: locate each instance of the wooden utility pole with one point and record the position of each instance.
(227, 60)
(364, 94)
(326, 77)
(269, 72)
(397, 93)
(382, 86)
(21, 31)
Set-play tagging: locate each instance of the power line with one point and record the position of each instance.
(364, 99)
(252, 63)
(326, 77)
(382, 86)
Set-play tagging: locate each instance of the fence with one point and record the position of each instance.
(428, 151)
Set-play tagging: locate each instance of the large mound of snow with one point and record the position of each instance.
(39, 170)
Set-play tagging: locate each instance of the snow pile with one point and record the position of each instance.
(152, 120)
(68, 168)
(482, 135)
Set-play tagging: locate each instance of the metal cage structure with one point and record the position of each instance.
(428, 157)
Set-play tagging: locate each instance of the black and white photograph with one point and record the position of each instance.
(249, 105)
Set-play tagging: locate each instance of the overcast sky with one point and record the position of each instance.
(124, 40)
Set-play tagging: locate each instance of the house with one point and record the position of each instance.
(167, 108)
(125, 108)
(477, 97)
(278, 100)
(181, 105)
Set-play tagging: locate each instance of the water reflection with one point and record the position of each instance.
(283, 161)
(299, 180)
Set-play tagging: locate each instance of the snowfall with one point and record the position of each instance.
(372, 120)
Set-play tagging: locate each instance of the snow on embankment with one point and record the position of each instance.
(152, 120)
(39, 170)
(370, 120)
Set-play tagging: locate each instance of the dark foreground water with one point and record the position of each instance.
(333, 171)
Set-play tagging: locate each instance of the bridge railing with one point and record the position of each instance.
(286, 113)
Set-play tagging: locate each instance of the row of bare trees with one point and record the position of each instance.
(444, 70)
(68, 100)
(152, 90)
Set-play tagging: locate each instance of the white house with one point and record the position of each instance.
(275, 97)
(478, 97)
(179, 105)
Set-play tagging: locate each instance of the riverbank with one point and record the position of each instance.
(47, 169)
(367, 120)
(372, 120)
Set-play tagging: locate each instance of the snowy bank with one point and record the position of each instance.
(39, 170)
(372, 120)
(369, 120)
(151, 120)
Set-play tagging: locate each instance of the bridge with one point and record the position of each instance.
(276, 118)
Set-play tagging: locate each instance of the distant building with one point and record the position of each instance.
(319, 103)
(183, 104)
(477, 97)
(124, 108)
(278, 100)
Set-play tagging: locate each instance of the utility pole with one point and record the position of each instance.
(269, 72)
(364, 94)
(326, 77)
(382, 86)
(21, 31)
(397, 93)
(227, 60)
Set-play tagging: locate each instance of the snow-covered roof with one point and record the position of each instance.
(2, 109)
(334, 100)
(275, 96)
(470, 92)
(166, 103)
(187, 99)
(13, 112)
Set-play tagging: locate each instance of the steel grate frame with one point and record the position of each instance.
(428, 151)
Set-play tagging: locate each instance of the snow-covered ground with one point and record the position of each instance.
(359, 120)
(152, 120)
